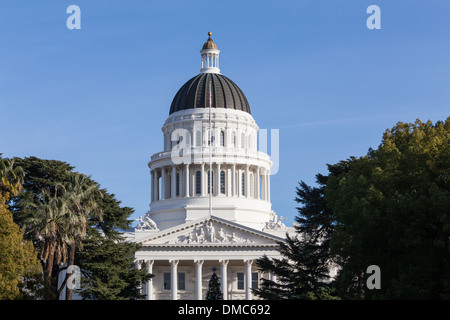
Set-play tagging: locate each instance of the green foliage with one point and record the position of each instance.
(214, 292)
(18, 259)
(107, 261)
(392, 210)
(302, 272)
(10, 178)
(67, 214)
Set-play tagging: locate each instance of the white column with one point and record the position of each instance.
(247, 181)
(157, 191)
(258, 187)
(173, 183)
(272, 277)
(198, 279)
(186, 182)
(138, 264)
(248, 279)
(224, 280)
(233, 180)
(174, 279)
(264, 176)
(163, 183)
(228, 183)
(152, 184)
(155, 186)
(268, 186)
(149, 266)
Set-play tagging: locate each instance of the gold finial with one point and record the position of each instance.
(209, 44)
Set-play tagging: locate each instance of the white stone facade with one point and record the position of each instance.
(196, 222)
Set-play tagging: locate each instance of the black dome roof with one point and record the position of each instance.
(195, 94)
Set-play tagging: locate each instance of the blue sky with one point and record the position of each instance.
(98, 97)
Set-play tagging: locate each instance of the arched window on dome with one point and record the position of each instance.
(222, 138)
(222, 182)
(251, 186)
(243, 140)
(177, 184)
(243, 184)
(187, 136)
(198, 182)
(198, 138)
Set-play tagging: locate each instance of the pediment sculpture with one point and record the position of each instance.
(275, 223)
(146, 224)
(208, 233)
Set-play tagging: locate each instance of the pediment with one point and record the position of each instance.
(211, 232)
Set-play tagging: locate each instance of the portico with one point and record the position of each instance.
(182, 261)
(188, 279)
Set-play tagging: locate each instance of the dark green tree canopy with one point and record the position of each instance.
(92, 227)
(392, 209)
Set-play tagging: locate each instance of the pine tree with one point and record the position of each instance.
(214, 292)
(107, 261)
(302, 271)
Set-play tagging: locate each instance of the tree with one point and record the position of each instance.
(214, 292)
(107, 260)
(53, 208)
(40, 174)
(11, 178)
(392, 210)
(17, 257)
(62, 212)
(82, 195)
(51, 226)
(302, 272)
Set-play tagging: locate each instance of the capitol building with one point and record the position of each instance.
(210, 194)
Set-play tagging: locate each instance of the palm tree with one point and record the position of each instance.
(52, 226)
(10, 178)
(81, 194)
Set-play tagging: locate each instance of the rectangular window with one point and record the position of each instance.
(255, 280)
(198, 182)
(240, 281)
(222, 138)
(210, 181)
(181, 281)
(222, 182)
(166, 285)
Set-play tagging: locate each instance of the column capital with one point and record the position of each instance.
(138, 264)
(248, 262)
(149, 263)
(224, 263)
(199, 263)
(174, 263)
